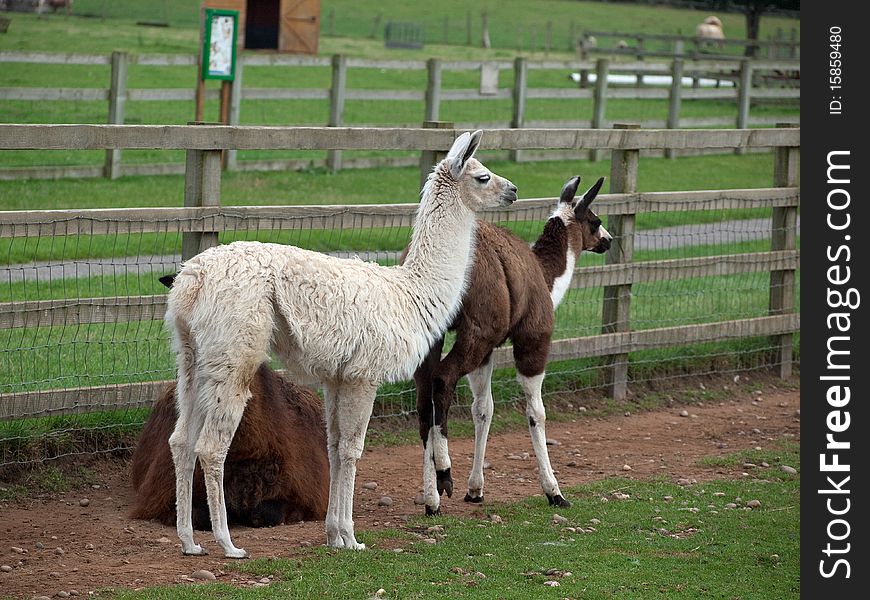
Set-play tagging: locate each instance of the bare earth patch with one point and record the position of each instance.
(100, 547)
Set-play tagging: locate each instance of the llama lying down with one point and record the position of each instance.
(276, 470)
(347, 323)
(512, 293)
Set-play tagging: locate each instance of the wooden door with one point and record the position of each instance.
(300, 26)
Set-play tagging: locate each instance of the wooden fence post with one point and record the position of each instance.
(521, 73)
(202, 187)
(744, 93)
(117, 101)
(599, 100)
(429, 158)
(676, 96)
(783, 237)
(433, 89)
(616, 309)
(235, 112)
(336, 105)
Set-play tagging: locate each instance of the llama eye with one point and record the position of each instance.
(482, 178)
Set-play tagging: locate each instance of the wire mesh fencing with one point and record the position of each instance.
(84, 350)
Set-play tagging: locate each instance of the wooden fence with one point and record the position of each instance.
(202, 219)
(638, 45)
(118, 94)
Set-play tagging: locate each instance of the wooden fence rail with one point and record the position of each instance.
(202, 219)
(338, 94)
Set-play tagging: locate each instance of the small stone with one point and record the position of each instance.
(595, 521)
(84, 502)
(380, 592)
(571, 463)
(552, 442)
(265, 580)
(370, 485)
(419, 500)
(754, 504)
(62, 594)
(788, 469)
(626, 467)
(430, 540)
(684, 413)
(719, 494)
(5, 568)
(626, 414)
(495, 518)
(730, 505)
(18, 550)
(385, 501)
(435, 529)
(749, 465)
(764, 464)
(683, 481)
(164, 540)
(40, 546)
(668, 498)
(203, 575)
(551, 583)
(305, 544)
(559, 519)
(59, 551)
(487, 465)
(89, 547)
(582, 408)
(479, 575)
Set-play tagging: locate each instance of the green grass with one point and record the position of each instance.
(689, 545)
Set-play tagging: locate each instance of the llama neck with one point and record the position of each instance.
(441, 250)
(556, 258)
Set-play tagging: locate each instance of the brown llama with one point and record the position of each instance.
(277, 469)
(512, 293)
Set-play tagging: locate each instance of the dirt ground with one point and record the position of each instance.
(54, 546)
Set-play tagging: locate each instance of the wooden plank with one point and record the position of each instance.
(389, 65)
(711, 94)
(103, 221)
(285, 93)
(80, 311)
(134, 395)
(501, 94)
(283, 60)
(163, 60)
(214, 137)
(558, 93)
(413, 95)
(176, 94)
(473, 65)
(33, 93)
(683, 268)
(776, 94)
(79, 400)
(54, 58)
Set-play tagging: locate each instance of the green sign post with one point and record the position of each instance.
(220, 33)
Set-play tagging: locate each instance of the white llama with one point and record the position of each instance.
(347, 323)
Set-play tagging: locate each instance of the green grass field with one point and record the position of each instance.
(663, 541)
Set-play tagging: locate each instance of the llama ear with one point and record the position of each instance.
(570, 189)
(462, 150)
(588, 197)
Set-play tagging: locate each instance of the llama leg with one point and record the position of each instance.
(187, 428)
(330, 397)
(480, 381)
(537, 419)
(188, 424)
(423, 380)
(354, 411)
(225, 412)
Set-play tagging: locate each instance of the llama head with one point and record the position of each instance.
(479, 188)
(585, 231)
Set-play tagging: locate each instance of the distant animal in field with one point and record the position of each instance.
(710, 33)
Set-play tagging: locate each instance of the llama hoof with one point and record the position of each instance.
(236, 553)
(433, 512)
(473, 499)
(355, 546)
(195, 550)
(558, 501)
(444, 483)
